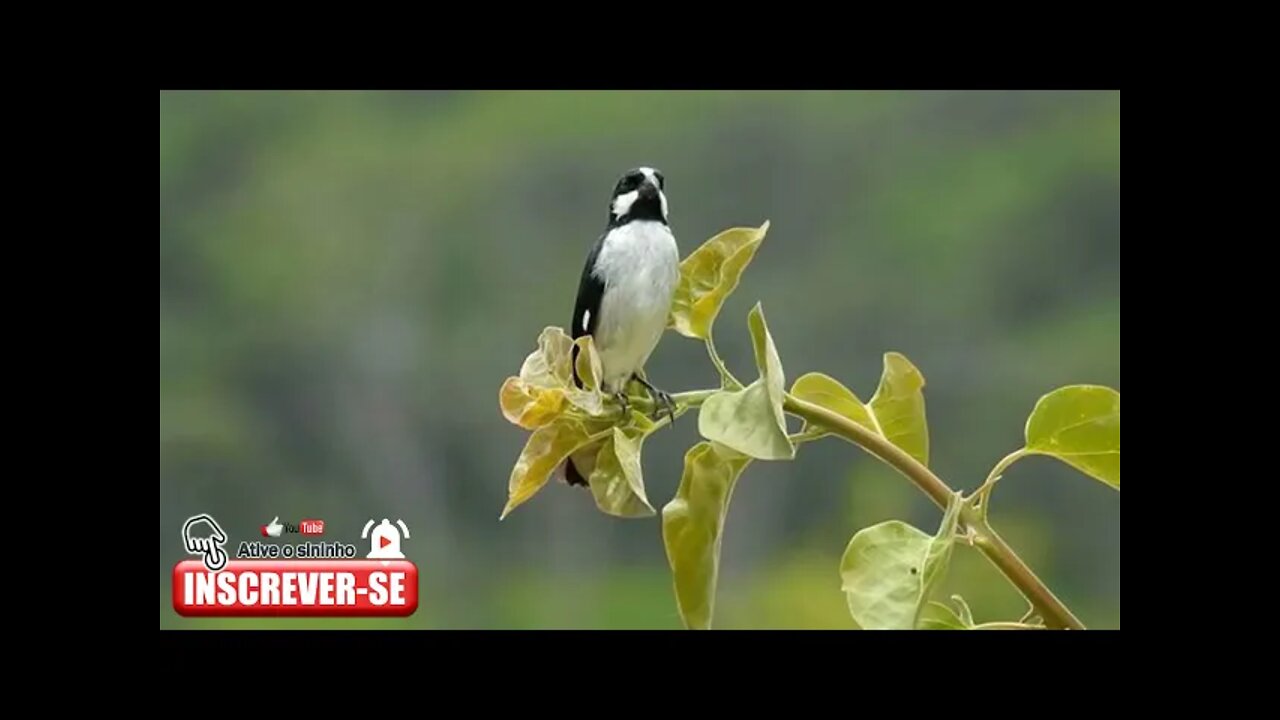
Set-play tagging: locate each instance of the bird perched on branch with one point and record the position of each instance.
(628, 281)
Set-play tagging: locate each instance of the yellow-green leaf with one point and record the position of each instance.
(709, 275)
(1008, 626)
(966, 615)
(588, 363)
(529, 406)
(898, 407)
(546, 448)
(825, 391)
(548, 366)
(939, 616)
(768, 364)
(615, 475)
(744, 420)
(896, 411)
(751, 420)
(936, 616)
(587, 398)
(889, 571)
(1079, 425)
(693, 524)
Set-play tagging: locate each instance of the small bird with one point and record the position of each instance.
(628, 282)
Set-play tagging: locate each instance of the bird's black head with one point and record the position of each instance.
(639, 195)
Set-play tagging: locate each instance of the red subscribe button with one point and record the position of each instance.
(304, 588)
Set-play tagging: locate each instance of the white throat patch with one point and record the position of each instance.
(622, 204)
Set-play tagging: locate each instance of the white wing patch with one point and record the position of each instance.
(586, 320)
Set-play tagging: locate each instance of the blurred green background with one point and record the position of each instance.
(346, 278)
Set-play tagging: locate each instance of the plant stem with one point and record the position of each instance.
(989, 543)
(684, 401)
(983, 493)
(693, 398)
(726, 378)
(1005, 626)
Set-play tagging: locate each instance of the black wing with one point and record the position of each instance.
(590, 290)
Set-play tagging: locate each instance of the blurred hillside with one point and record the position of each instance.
(347, 278)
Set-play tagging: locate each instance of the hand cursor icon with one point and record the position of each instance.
(273, 529)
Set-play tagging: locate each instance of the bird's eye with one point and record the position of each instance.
(662, 182)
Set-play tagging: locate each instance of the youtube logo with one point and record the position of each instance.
(275, 529)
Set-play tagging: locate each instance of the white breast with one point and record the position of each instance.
(639, 264)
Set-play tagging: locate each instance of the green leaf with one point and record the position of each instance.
(546, 448)
(940, 616)
(890, 570)
(1079, 425)
(898, 407)
(768, 364)
(937, 616)
(751, 420)
(615, 476)
(708, 276)
(744, 420)
(896, 411)
(825, 391)
(966, 615)
(693, 523)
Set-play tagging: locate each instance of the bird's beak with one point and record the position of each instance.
(648, 189)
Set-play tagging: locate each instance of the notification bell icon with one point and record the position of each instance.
(384, 543)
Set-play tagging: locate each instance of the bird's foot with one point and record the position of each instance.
(666, 403)
(623, 402)
(661, 399)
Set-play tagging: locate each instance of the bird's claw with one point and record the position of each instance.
(661, 400)
(664, 402)
(624, 403)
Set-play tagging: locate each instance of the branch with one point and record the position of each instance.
(685, 401)
(988, 542)
(693, 398)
